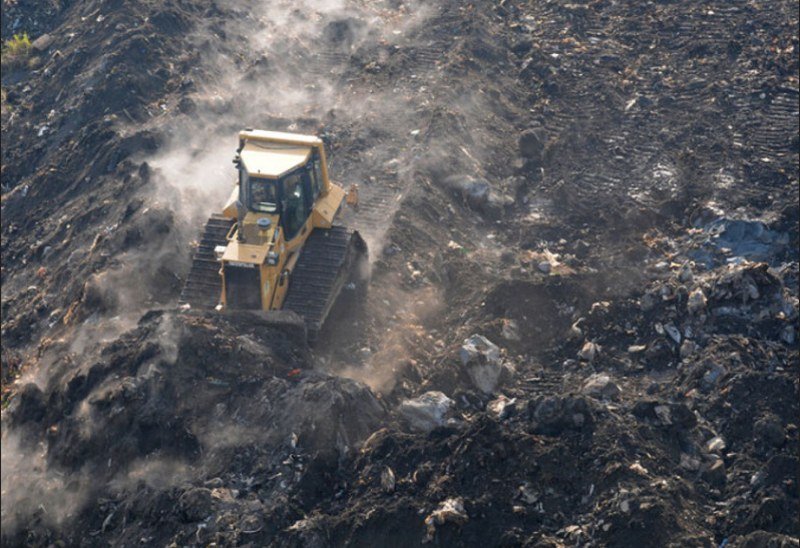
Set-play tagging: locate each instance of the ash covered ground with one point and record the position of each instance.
(582, 323)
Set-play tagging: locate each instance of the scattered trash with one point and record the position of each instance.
(388, 481)
(502, 407)
(589, 351)
(449, 511)
(715, 445)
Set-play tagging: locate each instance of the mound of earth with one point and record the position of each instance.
(582, 321)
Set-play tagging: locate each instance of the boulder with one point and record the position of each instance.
(601, 386)
(427, 411)
(42, 43)
(481, 358)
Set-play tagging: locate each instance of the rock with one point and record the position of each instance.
(531, 144)
(545, 267)
(451, 510)
(326, 411)
(502, 407)
(481, 358)
(673, 333)
(427, 411)
(589, 351)
(601, 386)
(43, 42)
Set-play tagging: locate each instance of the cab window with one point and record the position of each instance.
(295, 206)
(263, 195)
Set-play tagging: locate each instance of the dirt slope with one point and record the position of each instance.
(606, 192)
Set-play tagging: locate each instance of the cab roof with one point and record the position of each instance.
(272, 160)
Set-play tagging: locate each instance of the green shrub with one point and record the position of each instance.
(17, 49)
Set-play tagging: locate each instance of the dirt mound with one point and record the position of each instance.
(581, 326)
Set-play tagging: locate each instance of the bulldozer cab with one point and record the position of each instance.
(281, 180)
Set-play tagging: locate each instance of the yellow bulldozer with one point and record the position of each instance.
(275, 246)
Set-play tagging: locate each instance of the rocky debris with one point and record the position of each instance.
(223, 431)
(735, 238)
(326, 412)
(601, 386)
(763, 539)
(426, 412)
(481, 359)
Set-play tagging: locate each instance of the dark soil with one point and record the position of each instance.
(608, 192)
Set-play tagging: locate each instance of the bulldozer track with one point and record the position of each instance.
(204, 284)
(324, 264)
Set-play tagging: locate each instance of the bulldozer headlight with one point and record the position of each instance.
(272, 258)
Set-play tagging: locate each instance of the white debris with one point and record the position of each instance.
(427, 411)
(696, 302)
(715, 445)
(451, 510)
(388, 480)
(481, 357)
(589, 351)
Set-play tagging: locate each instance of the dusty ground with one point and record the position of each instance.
(607, 192)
